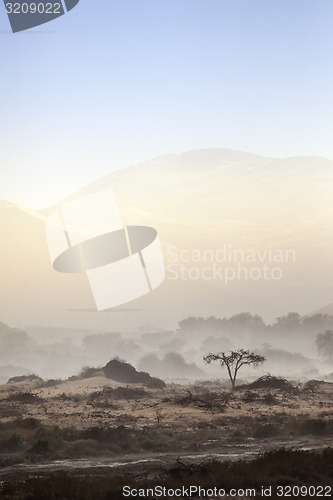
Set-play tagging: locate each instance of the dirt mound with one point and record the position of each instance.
(314, 383)
(120, 371)
(25, 378)
(270, 382)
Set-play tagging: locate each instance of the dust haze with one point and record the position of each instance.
(248, 247)
(289, 345)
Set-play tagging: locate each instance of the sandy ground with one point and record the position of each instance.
(208, 430)
(67, 404)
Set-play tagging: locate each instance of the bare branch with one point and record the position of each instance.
(234, 360)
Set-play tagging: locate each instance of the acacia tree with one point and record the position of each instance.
(324, 342)
(234, 360)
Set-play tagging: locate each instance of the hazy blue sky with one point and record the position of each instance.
(115, 82)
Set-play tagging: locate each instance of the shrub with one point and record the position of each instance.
(24, 398)
(270, 382)
(266, 431)
(315, 426)
(119, 393)
(40, 446)
(270, 399)
(25, 378)
(51, 383)
(88, 372)
(17, 440)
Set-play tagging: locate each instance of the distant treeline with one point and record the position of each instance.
(178, 352)
(292, 322)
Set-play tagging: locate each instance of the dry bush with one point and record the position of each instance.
(211, 401)
(89, 372)
(267, 399)
(312, 386)
(24, 398)
(25, 378)
(269, 430)
(119, 393)
(250, 397)
(20, 423)
(271, 382)
(76, 398)
(50, 383)
(270, 399)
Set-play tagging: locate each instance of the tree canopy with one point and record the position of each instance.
(324, 342)
(234, 360)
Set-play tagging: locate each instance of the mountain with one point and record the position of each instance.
(202, 203)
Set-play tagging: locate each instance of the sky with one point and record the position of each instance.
(114, 83)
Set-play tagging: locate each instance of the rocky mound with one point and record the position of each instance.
(120, 371)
